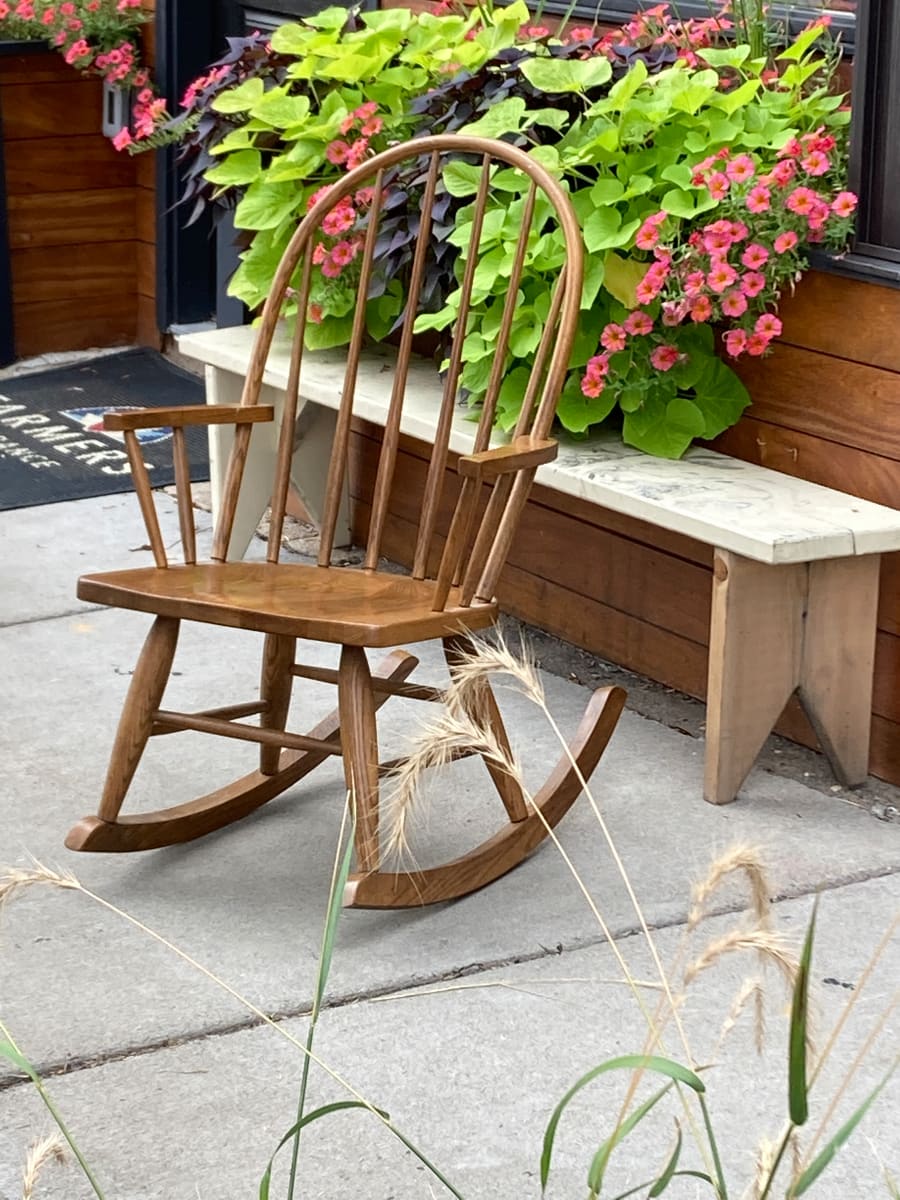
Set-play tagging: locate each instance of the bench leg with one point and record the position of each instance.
(779, 629)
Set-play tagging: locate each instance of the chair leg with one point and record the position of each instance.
(144, 695)
(359, 737)
(275, 686)
(485, 712)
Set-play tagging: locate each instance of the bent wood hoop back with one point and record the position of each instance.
(477, 541)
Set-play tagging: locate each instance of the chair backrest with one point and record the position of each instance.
(479, 537)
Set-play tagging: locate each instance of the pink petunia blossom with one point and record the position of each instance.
(330, 268)
(753, 283)
(365, 111)
(755, 256)
(592, 385)
(844, 204)
(371, 127)
(785, 241)
(339, 220)
(739, 231)
(757, 344)
(718, 185)
(721, 276)
(741, 169)
(665, 357)
(815, 163)
(336, 152)
(735, 342)
(801, 200)
(758, 199)
(734, 303)
(647, 236)
(343, 253)
(768, 325)
(701, 309)
(122, 139)
(598, 365)
(638, 323)
(674, 311)
(613, 338)
(695, 283)
(358, 153)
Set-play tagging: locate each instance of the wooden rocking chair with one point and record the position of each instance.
(449, 593)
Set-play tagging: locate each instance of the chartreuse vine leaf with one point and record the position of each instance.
(266, 204)
(280, 109)
(622, 276)
(239, 168)
(506, 117)
(628, 1062)
(578, 412)
(566, 75)
(241, 98)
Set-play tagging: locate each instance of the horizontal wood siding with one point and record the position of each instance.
(79, 266)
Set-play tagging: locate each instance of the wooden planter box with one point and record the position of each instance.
(81, 215)
(826, 408)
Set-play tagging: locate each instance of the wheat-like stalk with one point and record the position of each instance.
(46, 1150)
(750, 991)
(484, 659)
(743, 860)
(16, 880)
(771, 946)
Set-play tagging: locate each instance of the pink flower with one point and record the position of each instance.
(701, 309)
(783, 172)
(366, 111)
(785, 241)
(721, 276)
(347, 123)
(372, 126)
(648, 289)
(757, 344)
(755, 256)
(815, 163)
(674, 311)
(613, 338)
(336, 152)
(739, 231)
(581, 34)
(735, 342)
(638, 323)
(315, 313)
(339, 220)
(317, 196)
(358, 152)
(695, 283)
(791, 149)
(364, 197)
(734, 303)
(343, 253)
(598, 365)
(753, 283)
(122, 139)
(768, 325)
(592, 385)
(319, 253)
(534, 31)
(665, 357)
(758, 199)
(741, 168)
(330, 268)
(802, 200)
(715, 241)
(647, 236)
(844, 204)
(718, 185)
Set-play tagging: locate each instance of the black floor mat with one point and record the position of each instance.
(52, 443)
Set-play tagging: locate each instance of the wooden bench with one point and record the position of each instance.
(796, 565)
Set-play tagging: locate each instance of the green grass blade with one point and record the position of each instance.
(669, 1170)
(720, 1185)
(11, 1053)
(675, 1175)
(266, 1182)
(601, 1158)
(808, 1177)
(634, 1062)
(329, 934)
(798, 1091)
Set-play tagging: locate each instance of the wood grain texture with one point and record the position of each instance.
(30, 69)
(66, 108)
(188, 414)
(38, 274)
(359, 738)
(61, 325)
(92, 217)
(845, 318)
(90, 163)
(851, 403)
(275, 687)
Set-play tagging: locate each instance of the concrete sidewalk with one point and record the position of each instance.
(174, 1090)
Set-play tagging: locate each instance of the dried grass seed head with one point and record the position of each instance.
(742, 860)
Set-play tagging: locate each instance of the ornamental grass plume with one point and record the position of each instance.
(43, 1152)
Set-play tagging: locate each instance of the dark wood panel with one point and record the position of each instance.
(850, 403)
(844, 317)
(145, 215)
(61, 325)
(67, 164)
(845, 468)
(146, 268)
(889, 606)
(37, 273)
(35, 68)
(147, 332)
(55, 110)
(49, 219)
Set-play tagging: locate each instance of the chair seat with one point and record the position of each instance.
(335, 604)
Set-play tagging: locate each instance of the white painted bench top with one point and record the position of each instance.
(733, 505)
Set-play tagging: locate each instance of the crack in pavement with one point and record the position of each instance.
(71, 1066)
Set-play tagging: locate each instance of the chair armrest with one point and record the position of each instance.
(520, 453)
(189, 414)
